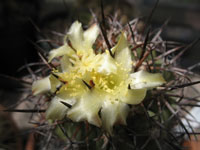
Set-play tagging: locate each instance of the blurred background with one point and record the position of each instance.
(23, 23)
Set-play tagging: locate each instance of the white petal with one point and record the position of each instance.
(143, 79)
(41, 86)
(107, 64)
(75, 35)
(113, 112)
(134, 96)
(87, 108)
(65, 63)
(57, 110)
(73, 88)
(55, 83)
(90, 36)
(63, 50)
(122, 53)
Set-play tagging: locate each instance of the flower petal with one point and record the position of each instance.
(73, 87)
(63, 50)
(90, 35)
(143, 79)
(87, 108)
(41, 86)
(55, 83)
(57, 110)
(106, 64)
(75, 35)
(65, 64)
(113, 112)
(122, 53)
(134, 96)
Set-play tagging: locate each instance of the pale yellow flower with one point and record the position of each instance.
(98, 86)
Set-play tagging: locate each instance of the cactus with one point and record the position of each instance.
(111, 86)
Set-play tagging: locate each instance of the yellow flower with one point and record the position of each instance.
(97, 86)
